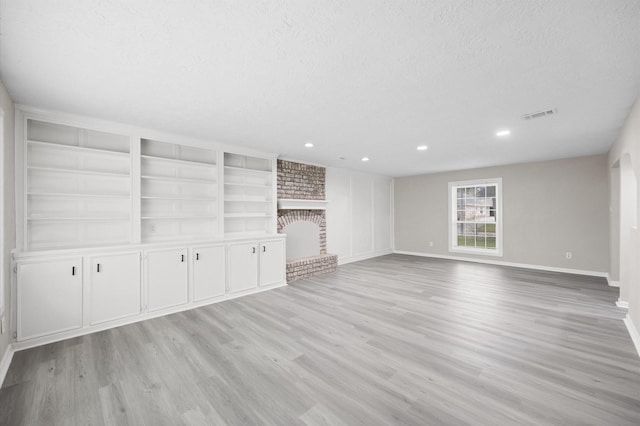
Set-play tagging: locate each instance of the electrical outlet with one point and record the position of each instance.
(430, 243)
(569, 255)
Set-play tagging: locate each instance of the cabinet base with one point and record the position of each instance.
(31, 343)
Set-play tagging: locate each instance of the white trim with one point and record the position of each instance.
(611, 282)
(452, 220)
(3, 284)
(295, 204)
(511, 264)
(633, 332)
(5, 362)
(351, 259)
(39, 341)
(622, 304)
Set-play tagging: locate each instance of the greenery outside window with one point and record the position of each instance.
(475, 216)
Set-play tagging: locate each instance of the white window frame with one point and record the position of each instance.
(452, 212)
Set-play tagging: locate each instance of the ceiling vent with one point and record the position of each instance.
(540, 114)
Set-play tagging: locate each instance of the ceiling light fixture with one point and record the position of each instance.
(502, 133)
(308, 145)
(422, 148)
(365, 159)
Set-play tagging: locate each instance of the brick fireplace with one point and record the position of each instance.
(301, 215)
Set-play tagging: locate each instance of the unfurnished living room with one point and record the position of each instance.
(297, 212)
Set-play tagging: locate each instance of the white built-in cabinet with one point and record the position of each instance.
(209, 271)
(116, 224)
(166, 278)
(255, 263)
(271, 265)
(49, 297)
(115, 290)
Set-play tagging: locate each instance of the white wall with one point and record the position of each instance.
(625, 155)
(359, 214)
(549, 208)
(8, 239)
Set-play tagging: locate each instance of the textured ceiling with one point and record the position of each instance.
(357, 78)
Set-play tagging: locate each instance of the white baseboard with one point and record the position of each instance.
(5, 362)
(612, 283)
(511, 264)
(622, 304)
(633, 332)
(350, 259)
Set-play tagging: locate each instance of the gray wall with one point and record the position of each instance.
(8, 240)
(549, 208)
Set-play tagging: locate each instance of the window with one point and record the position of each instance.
(475, 216)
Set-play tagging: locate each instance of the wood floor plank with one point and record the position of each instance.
(392, 340)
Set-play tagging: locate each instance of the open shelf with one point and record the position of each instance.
(249, 195)
(179, 191)
(79, 149)
(179, 179)
(78, 171)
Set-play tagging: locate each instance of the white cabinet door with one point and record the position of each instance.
(208, 272)
(49, 297)
(166, 278)
(271, 262)
(243, 266)
(115, 286)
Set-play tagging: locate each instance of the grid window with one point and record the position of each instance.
(476, 217)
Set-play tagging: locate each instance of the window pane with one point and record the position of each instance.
(481, 191)
(480, 242)
(460, 215)
(491, 191)
(490, 228)
(460, 204)
(491, 242)
(460, 193)
(470, 192)
(470, 241)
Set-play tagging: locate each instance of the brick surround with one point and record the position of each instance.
(300, 181)
(304, 182)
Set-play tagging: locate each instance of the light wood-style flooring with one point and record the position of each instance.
(392, 340)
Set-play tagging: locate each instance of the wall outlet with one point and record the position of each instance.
(430, 243)
(569, 255)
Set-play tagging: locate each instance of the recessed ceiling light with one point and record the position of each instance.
(422, 148)
(308, 145)
(502, 133)
(365, 159)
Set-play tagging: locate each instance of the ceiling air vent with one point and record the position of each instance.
(540, 114)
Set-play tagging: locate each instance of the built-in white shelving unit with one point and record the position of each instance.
(248, 195)
(78, 187)
(179, 192)
(119, 224)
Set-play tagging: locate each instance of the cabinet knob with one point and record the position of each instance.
(73, 270)
(253, 249)
(98, 268)
(197, 256)
(264, 249)
(182, 258)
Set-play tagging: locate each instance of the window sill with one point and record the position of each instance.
(481, 252)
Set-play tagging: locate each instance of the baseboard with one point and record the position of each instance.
(633, 332)
(612, 283)
(5, 362)
(621, 304)
(511, 264)
(358, 258)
